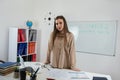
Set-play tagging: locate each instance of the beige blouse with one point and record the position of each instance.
(62, 56)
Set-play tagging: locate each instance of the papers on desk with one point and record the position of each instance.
(68, 74)
(78, 75)
(57, 73)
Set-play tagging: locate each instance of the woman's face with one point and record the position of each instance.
(59, 24)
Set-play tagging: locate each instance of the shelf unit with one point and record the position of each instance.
(24, 42)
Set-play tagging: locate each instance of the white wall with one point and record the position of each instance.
(15, 13)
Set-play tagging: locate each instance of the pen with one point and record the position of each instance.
(36, 71)
(33, 75)
(46, 67)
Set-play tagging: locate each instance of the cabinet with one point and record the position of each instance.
(24, 42)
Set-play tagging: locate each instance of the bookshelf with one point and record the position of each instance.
(24, 42)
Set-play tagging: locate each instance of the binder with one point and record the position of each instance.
(34, 57)
(22, 49)
(21, 35)
(31, 47)
(32, 35)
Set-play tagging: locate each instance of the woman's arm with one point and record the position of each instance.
(50, 46)
(72, 54)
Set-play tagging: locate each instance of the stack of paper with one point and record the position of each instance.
(7, 67)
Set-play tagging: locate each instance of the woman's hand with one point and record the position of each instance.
(46, 62)
(75, 69)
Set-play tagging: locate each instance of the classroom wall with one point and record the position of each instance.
(15, 13)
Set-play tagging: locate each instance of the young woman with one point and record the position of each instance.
(61, 45)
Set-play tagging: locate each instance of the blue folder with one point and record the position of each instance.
(7, 64)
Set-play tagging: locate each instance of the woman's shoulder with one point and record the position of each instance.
(51, 34)
(70, 35)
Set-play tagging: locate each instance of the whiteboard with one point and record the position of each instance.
(97, 37)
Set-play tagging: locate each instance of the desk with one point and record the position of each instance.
(57, 74)
(63, 74)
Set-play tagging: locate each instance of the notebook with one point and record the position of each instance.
(7, 64)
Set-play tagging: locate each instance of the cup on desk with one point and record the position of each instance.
(22, 74)
(16, 74)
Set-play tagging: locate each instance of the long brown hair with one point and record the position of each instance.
(55, 31)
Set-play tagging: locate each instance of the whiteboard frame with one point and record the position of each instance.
(115, 22)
